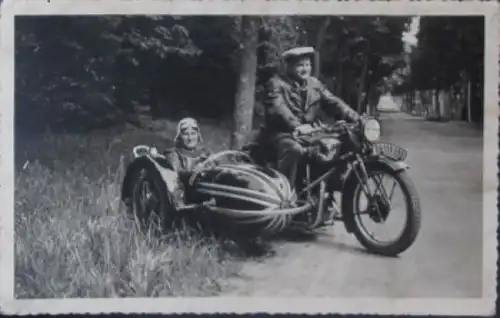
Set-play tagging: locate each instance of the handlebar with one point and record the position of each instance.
(336, 128)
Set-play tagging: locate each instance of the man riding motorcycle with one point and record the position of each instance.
(292, 104)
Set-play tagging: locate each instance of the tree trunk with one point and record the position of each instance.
(319, 42)
(361, 87)
(245, 91)
(469, 113)
(367, 102)
(340, 77)
(437, 107)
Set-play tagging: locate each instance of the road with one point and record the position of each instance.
(445, 261)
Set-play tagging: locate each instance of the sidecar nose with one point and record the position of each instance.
(286, 204)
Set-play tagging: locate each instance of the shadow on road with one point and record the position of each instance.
(265, 248)
(341, 246)
(322, 239)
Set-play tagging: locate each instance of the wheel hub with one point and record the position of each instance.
(146, 197)
(379, 209)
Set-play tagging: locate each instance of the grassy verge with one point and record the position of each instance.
(73, 239)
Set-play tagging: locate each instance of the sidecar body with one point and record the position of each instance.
(237, 193)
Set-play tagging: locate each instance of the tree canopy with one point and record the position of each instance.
(107, 68)
(449, 53)
(450, 46)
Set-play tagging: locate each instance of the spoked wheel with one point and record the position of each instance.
(376, 205)
(151, 203)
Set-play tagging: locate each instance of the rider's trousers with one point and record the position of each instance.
(289, 154)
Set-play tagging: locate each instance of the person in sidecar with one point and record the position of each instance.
(292, 103)
(187, 153)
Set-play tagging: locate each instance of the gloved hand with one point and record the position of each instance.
(153, 151)
(304, 129)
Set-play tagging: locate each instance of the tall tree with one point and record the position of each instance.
(356, 52)
(98, 67)
(245, 91)
(453, 48)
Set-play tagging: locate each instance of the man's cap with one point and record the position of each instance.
(298, 51)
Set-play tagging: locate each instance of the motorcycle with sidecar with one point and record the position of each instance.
(241, 190)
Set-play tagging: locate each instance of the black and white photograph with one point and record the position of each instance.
(337, 157)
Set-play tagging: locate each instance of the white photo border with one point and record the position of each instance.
(239, 305)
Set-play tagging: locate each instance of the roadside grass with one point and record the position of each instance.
(74, 239)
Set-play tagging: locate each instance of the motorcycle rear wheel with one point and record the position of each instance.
(413, 212)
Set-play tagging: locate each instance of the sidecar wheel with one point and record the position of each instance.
(151, 203)
(411, 226)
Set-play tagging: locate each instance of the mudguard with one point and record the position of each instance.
(396, 166)
(377, 160)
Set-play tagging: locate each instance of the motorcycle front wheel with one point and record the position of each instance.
(151, 202)
(378, 210)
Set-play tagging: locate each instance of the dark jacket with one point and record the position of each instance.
(183, 160)
(287, 105)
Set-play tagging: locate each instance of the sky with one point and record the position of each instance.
(410, 37)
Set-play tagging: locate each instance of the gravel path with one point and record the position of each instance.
(445, 261)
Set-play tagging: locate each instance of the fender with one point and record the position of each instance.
(396, 166)
(372, 162)
(376, 161)
(168, 176)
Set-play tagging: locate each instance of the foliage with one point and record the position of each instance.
(79, 65)
(278, 34)
(357, 53)
(453, 48)
(107, 68)
(449, 46)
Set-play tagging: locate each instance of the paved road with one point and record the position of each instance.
(446, 258)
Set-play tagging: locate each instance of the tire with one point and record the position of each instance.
(165, 207)
(413, 211)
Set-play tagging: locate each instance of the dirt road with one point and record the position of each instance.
(446, 161)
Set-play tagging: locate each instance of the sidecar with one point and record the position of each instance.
(230, 190)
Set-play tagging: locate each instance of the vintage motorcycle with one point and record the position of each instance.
(242, 192)
(345, 158)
